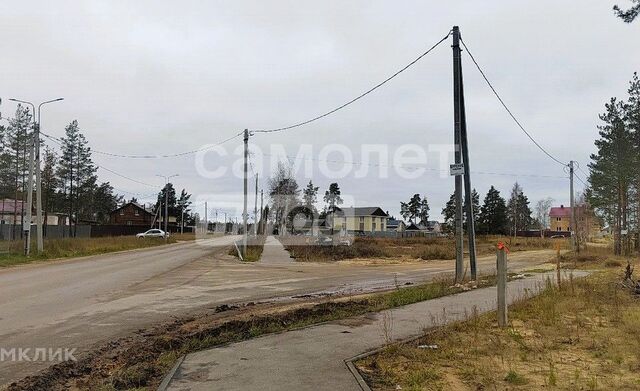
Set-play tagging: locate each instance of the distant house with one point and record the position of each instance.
(588, 225)
(434, 226)
(10, 208)
(361, 219)
(394, 225)
(131, 213)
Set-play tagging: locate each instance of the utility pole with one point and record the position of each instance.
(244, 213)
(206, 218)
(166, 210)
(26, 223)
(261, 211)
(458, 152)
(166, 203)
(468, 191)
(255, 211)
(182, 220)
(36, 147)
(573, 209)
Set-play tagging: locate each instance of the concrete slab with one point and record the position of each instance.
(314, 358)
(274, 252)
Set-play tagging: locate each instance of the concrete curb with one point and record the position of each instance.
(167, 379)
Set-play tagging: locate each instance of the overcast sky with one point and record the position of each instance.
(161, 77)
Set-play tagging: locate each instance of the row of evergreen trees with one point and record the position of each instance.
(69, 179)
(496, 216)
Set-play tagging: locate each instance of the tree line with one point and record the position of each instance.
(70, 184)
(69, 178)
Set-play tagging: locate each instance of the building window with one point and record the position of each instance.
(121, 212)
(129, 222)
(137, 212)
(373, 225)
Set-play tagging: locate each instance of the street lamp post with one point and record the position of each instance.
(166, 202)
(35, 147)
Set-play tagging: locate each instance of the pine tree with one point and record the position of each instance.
(492, 219)
(169, 192)
(449, 213)
(332, 197)
(613, 169)
(17, 136)
(410, 210)
(310, 195)
(50, 183)
(183, 203)
(423, 211)
(77, 176)
(518, 211)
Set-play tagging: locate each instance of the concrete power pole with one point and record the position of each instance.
(206, 218)
(458, 153)
(26, 223)
(573, 209)
(255, 211)
(244, 212)
(39, 222)
(468, 191)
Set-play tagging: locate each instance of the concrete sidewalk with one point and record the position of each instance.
(314, 358)
(274, 252)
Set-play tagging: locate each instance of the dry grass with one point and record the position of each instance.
(255, 245)
(581, 337)
(412, 248)
(11, 252)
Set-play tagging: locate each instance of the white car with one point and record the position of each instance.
(153, 233)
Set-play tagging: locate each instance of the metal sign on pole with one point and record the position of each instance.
(456, 169)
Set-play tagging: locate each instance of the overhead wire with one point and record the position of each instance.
(158, 156)
(59, 142)
(484, 76)
(357, 98)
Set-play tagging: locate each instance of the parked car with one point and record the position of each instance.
(153, 233)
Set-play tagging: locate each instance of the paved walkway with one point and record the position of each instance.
(314, 358)
(274, 252)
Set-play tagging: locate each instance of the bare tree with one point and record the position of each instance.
(542, 213)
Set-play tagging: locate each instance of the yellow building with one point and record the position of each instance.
(560, 219)
(588, 225)
(363, 219)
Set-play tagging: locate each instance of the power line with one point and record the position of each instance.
(154, 156)
(507, 108)
(59, 142)
(357, 97)
(413, 167)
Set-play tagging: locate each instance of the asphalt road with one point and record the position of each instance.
(86, 302)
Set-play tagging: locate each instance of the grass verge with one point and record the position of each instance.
(11, 252)
(580, 337)
(418, 248)
(255, 246)
(140, 363)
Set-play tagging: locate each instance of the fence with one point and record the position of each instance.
(9, 232)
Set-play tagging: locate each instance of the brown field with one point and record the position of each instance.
(580, 337)
(411, 248)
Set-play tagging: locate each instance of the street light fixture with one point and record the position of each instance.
(35, 148)
(166, 202)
